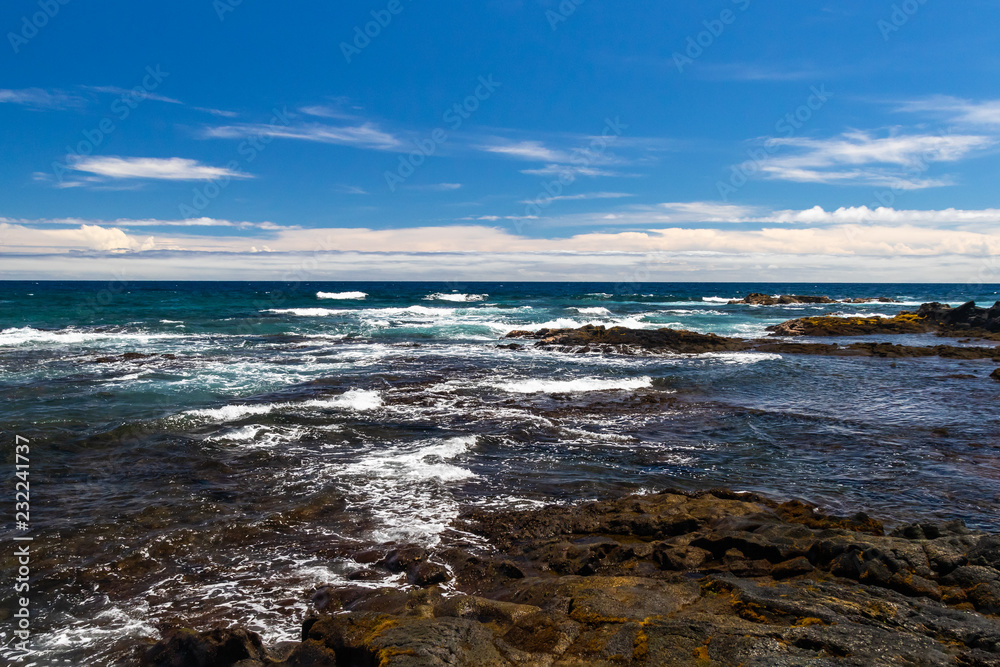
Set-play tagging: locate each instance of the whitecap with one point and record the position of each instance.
(592, 311)
(342, 296)
(458, 298)
(28, 335)
(355, 399)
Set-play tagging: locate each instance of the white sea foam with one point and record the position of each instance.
(535, 386)
(355, 399)
(458, 298)
(405, 488)
(307, 312)
(592, 311)
(741, 358)
(30, 336)
(342, 296)
(715, 299)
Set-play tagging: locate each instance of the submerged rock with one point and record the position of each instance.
(674, 578)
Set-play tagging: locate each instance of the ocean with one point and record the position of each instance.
(207, 453)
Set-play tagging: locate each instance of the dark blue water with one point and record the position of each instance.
(268, 431)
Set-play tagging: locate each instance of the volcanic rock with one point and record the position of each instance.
(673, 578)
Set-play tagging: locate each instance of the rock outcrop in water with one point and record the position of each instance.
(711, 578)
(904, 323)
(758, 299)
(622, 340)
(592, 338)
(965, 320)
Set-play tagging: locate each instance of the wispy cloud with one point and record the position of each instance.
(366, 135)
(758, 72)
(586, 196)
(39, 98)
(533, 151)
(957, 110)
(166, 169)
(571, 170)
(125, 92)
(861, 158)
(437, 187)
(351, 190)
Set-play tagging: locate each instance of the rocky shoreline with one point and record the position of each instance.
(967, 321)
(674, 578)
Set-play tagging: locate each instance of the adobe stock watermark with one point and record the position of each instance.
(363, 35)
(31, 24)
(454, 117)
(565, 9)
(119, 111)
(714, 28)
(249, 149)
(223, 7)
(583, 158)
(899, 17)
(787, 126)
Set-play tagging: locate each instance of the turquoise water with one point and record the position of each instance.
(276, 429)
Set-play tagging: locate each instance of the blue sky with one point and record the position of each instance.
(504, 139)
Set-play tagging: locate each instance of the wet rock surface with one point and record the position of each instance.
(965, 320)
(622, 340)
(710, 578)
(758, 299)
(591, 338)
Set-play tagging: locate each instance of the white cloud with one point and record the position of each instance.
(437, 187)
(365, 135)
(125, 92)
(569, 170)
(533, 151)
(959, 110)
(351, 190)
(860, 158)
(700, 211)
(169, 169)
(38, 98)
(585, 196)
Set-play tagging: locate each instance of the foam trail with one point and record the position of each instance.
(355, 399)
(572, 386)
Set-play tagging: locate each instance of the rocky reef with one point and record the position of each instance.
(674, 578)
(591, 338)
(758, 299)
(965, 320)
(904, 323)
(622, 340)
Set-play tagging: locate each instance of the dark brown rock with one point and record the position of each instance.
(672, 578)
(758, 299)
(183, 647)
